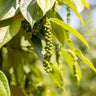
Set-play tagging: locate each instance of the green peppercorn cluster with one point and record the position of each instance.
(26, 26)
(75, 68)
(37, 27)
(27, 29)
(75, 65)
(48, 48)
(68, 22)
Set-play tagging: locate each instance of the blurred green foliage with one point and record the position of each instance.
(87, 85)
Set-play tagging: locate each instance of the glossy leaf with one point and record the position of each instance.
(85, 3)
(36, 42)
(84, 59)
(58, 32)
(65, 26)
(79, 5)
(53, 14)
(8, 29)
(45, 5)
(31, 11)
(57, 76)
(70, 61)
(71, 5)
(4, 86)
(8, 8)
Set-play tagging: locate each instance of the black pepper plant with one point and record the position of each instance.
(32, 30)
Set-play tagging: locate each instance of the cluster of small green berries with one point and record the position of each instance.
(75, 65)
(37, 27)
(48, 48)
(75, 68)
(27, 28)
(68, 22)
(32, 31)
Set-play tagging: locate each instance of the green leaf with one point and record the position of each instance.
(8, 29)
(27, 55)
(36, 42)
(65, 26)
(36, 74)
(58, 32)
(60, 2)
(15, 59)
(79, 5)
(71, 5)
(8, 8)
(31, 11)
(53, 14)
(45, 5)
(70, 61)
(4, 86)
(84, 59)
(57, 76)
(85, 3)
(1, 59)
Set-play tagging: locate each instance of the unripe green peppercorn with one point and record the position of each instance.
(68, 22)
(48, 40)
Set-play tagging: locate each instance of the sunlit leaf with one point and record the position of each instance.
(58, 32)
(71, 5)
(45, 5)
(31, 11)
(57, 76)
(70, 61)
(8, 29)
(79, 5)
(8, 8)
(65, 26)
(53, 14)
(4, 86)
(85, 3)
(84, 59)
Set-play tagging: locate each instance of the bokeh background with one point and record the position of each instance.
(87, 86)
